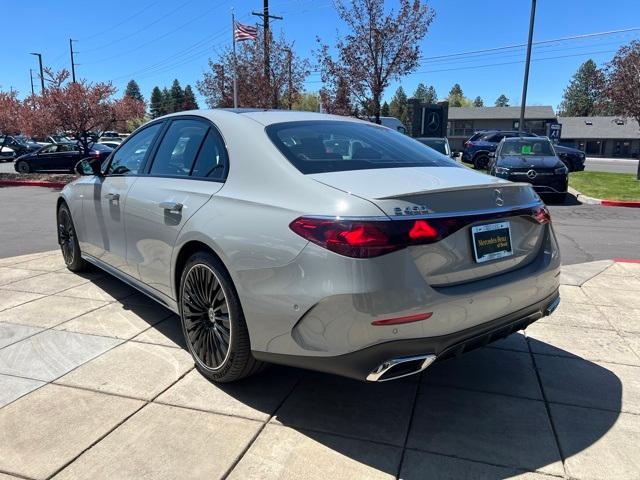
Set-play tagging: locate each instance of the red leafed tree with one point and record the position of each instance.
(81, 107)
(10, 108)
(254, 88)
(379, 47)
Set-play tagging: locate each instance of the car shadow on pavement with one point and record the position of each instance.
(570, 200)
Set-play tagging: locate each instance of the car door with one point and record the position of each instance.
(44, 158)
(188, 167)
(106, 196)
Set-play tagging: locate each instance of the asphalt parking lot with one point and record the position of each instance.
(94, 383)
(585, 232)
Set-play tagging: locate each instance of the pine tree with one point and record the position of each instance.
(384, 110)
(456, 98)
(176, 96)
(583, 96)
(167, 103)
(502, 101)
(477, 102)
(399, 106)
(133, 91)
(189, 102)
(425, 94)
(156, 108)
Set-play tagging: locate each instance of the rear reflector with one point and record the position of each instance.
(400, 320)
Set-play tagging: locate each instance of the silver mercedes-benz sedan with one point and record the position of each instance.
(312, 240)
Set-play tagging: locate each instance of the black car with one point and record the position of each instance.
(532, 160)
(479, 147)
(60, 157)
(20, 145)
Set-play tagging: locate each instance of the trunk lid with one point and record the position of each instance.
(405, 193)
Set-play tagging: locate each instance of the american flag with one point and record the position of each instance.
(245, 32)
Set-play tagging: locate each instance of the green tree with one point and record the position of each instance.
(502, 101)
(456, 98)
(384, 110)
(189, 102)
(477, 102)
(133, 91)
(583, 96)
(167, 102)
(399, 106)
(307, 102)
(156, 106)
(177, 97)
(425, 94)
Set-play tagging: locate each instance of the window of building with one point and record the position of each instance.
(461, 128)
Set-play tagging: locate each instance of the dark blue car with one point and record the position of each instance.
(481, 144)
(61, 157)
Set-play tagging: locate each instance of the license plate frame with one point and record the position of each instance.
(495, 235)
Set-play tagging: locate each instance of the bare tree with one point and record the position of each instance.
(378, 49)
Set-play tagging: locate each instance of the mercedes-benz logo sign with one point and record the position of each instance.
(532, 174)
(497, 195)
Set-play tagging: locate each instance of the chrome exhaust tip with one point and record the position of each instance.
(400, 367)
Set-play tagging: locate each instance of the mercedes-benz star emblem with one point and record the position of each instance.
(531, 174)
(497, 195)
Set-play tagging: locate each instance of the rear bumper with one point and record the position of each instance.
(360, 364)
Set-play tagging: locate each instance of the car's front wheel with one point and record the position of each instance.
(480, 161)
(68, 240)
(23, 167)
(213, 324)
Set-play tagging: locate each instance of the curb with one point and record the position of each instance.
(32, 183)
(604, 202)
(626, 260)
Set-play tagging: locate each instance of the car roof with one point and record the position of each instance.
(524, 137)
(265, 116)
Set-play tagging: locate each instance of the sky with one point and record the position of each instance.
(155, 41)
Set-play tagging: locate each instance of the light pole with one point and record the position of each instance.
(526, 67)
(41, 72)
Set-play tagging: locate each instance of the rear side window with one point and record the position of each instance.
(128, 158)
(212, 161)
(179, 148)
(332, 146)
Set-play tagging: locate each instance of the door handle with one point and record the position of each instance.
(173, 207)
(112, 197)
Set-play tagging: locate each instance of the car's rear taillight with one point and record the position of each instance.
(542, 215)
(365, 239)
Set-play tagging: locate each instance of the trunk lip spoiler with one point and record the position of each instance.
(478, 186)
(426, 216)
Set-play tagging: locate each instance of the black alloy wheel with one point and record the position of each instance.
(206, 316)
(213, 323)
(69, 241)
(23, 167)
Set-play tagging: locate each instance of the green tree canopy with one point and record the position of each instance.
(133, 90)
(456, 98)
(384, 110)
(156, 105)
(176, 95)
(189, 102)
(478, 102)
(307, 102)
(502, 101)
(583, 96)
(399, 106)
(425, 94)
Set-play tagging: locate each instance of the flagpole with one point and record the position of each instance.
(235, 62)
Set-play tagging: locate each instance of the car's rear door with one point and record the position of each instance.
(104, 200)
(188, 167)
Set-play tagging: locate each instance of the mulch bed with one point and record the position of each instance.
(54, 180)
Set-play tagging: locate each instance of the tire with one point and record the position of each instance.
(480, 161)
(68, 240)
(213, 323)
(23, 167)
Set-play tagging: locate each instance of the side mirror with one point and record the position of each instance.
(88, 166)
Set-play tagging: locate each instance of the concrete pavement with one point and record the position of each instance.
(94, 384)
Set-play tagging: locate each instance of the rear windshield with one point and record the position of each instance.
(527, 146)
(437, 144)
(333, 146)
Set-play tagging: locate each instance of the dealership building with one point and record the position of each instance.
(597, 136)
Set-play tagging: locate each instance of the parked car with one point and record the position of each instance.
(52, 139)
(371, 264)
(532, 160)
(391, 122)
(20, 145)
(571, 157)
(110, 143)
(7, 154)
(438, 144)
(109, 139)
(58, 157)
(481, 144)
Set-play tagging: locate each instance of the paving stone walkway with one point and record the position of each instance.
(95, 383)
